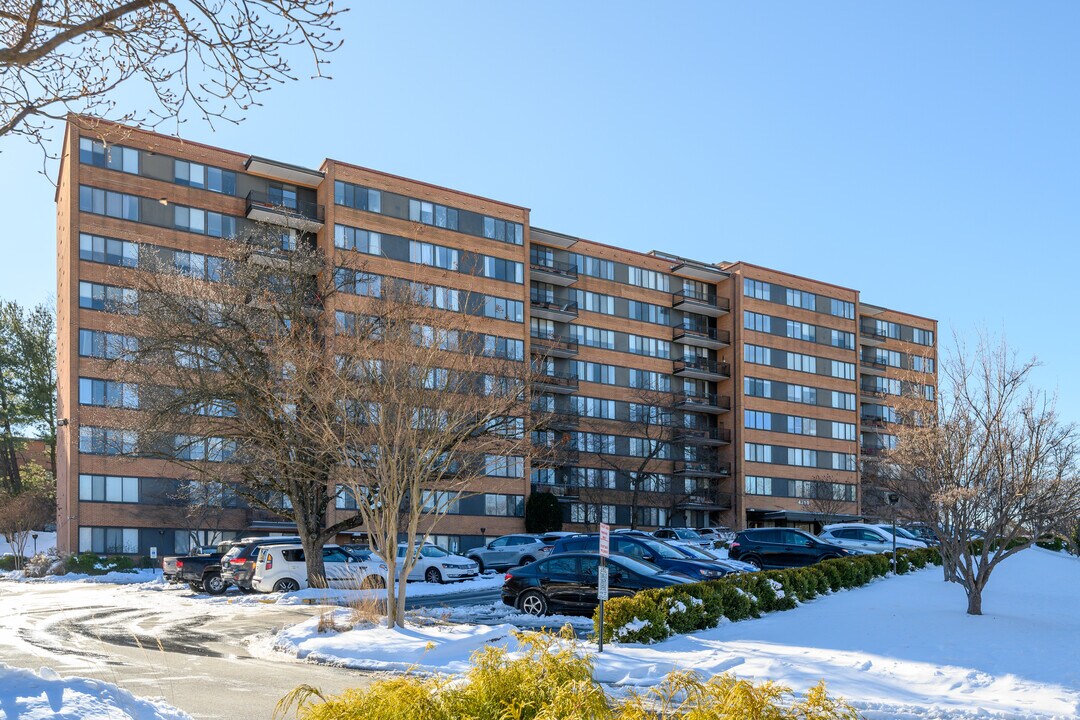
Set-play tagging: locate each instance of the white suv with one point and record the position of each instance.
(281, 568)
(864, 538)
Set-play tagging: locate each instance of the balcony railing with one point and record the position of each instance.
(708, 501)
(705, 303)
(554, 267)
(551, 343)
(558, 382)
(703, 469)
(706, 336)
(552, 306)
(702, 436)
(703, 401)
(875, 451)
(702, 365)
(261, 204)
(557, 489)
(872, 421)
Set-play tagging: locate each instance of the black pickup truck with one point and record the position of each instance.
(202, 572)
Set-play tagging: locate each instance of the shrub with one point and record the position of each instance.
(45, 563)
(7, 562)
(553, 681)
(1053, 542)
(91, 564)
(654, 615)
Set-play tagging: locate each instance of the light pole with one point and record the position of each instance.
(893, 499)
(34, 535)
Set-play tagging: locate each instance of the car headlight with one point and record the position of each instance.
(711, 573)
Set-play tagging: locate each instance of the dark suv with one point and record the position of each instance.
(668, 558)
(238, 564)
(781, 547)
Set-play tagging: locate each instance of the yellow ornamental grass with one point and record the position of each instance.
(551, 680)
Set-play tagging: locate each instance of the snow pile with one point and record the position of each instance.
(339, 596)
(132, 577)
(27, 695)
(901, 649)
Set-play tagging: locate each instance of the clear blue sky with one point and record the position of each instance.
(927, 154)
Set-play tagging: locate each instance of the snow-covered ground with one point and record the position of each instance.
(44, 695)
(337, 596)
(132, 577)
(45, 540)
(900, 648)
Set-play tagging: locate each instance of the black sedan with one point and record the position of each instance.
(769, 548)
(568, 582)
(668, 557)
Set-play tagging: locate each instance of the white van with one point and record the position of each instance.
(281, 568)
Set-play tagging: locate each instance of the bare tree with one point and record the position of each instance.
(428, 411)
(989, 453)
(203, 504)
(231, 368)
(213, 59)
(27, 510)
(825, 499)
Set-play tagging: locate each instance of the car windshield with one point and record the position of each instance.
(641, 567)
(687, 534)
(232, 553)
(698, 553)
(901, 532)
(662, 550)
(433, 551)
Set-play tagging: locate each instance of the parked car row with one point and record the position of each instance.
(770, 548)
(278, 564)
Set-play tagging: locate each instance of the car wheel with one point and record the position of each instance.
(752, 560)
(195, 587)
(527, 559)
(533, 603)
(479, 564)
(286, 585)
(432, 575)
(214, 585)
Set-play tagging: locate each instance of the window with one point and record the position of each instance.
(757, 420)
(109, 541)
(511, 466)
(503, 309)
(843, 431)
(593, 267)
(644, 447)
(121, 253)
(593, 407)
(842, 308)
(800, 330)
(500, 347)
(802, 457)
(204, 222)
(499, 269)
(108, 488)
(114, 157)
(842, 400)
(801, 425)
(886, 328)
(802, 394)
(756, 289)
(801, 363)
(593, 337)
(757, 354)
(650, 347)
(107, 202)
(357, 282)
(652, 516)
(595, 372)
(504, 505)
(433, 255)
(592, 513)
(756, 387)
(842, 339)
(922, 364)
(106, 441)
(648, 312)
(357, 197)
(207, 449)
(207, 178)
(593, 442)
(108, 298)
(842, 370)
(350, 238)
(650, 279)
(108, 393)
(801, 299)
(922, 337)
(757, 485)
(649, 380)
(843, 461)
(757, 321)
(595, 302)
(592, 478)
(503, 230)
(105, 345)
(755, 452)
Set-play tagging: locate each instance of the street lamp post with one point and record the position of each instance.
(34, 535)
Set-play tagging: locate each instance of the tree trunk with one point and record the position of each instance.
(9, 462)
(974, 601)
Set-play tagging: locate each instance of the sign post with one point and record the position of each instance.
(602, 576)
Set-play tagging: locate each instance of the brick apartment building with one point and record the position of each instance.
(775, 381)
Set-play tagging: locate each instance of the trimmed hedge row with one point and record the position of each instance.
(654, 615)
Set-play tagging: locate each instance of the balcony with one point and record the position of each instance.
(704, 402)
(874, 395)
(702, 436)
(872, 367)
(553, 308)
(693, 301)
(563, 492)
(304, 216)
(702, 369)
(711, 338)
(561, 383)
(871, 422)
(553, 345)
(870, 336)
(876, 451)
(553, 272)
(707, 501)
(702, 469)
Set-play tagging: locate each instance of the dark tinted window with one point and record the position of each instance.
(845, 534)
(765, 536)
(574, 545)
(293, 555)
(794, 537)
(559, 566)
(590, 567)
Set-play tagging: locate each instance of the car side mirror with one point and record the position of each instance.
(647, 558)
(810, 543)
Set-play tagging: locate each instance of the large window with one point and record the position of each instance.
(365, 241)
(108, 298)
(203, 222)
(114, 157)
(110, 251)
(593, 267)
(108, 488)
(107, 441)
(108, 393)
(107, 202)
(106, 345)
(109, 541)
(204, 177)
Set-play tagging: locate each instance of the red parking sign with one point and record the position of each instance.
(605, 539)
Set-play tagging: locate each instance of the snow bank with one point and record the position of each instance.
(898, 649)
(28, 695)
(334, 596)
(134, 577)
